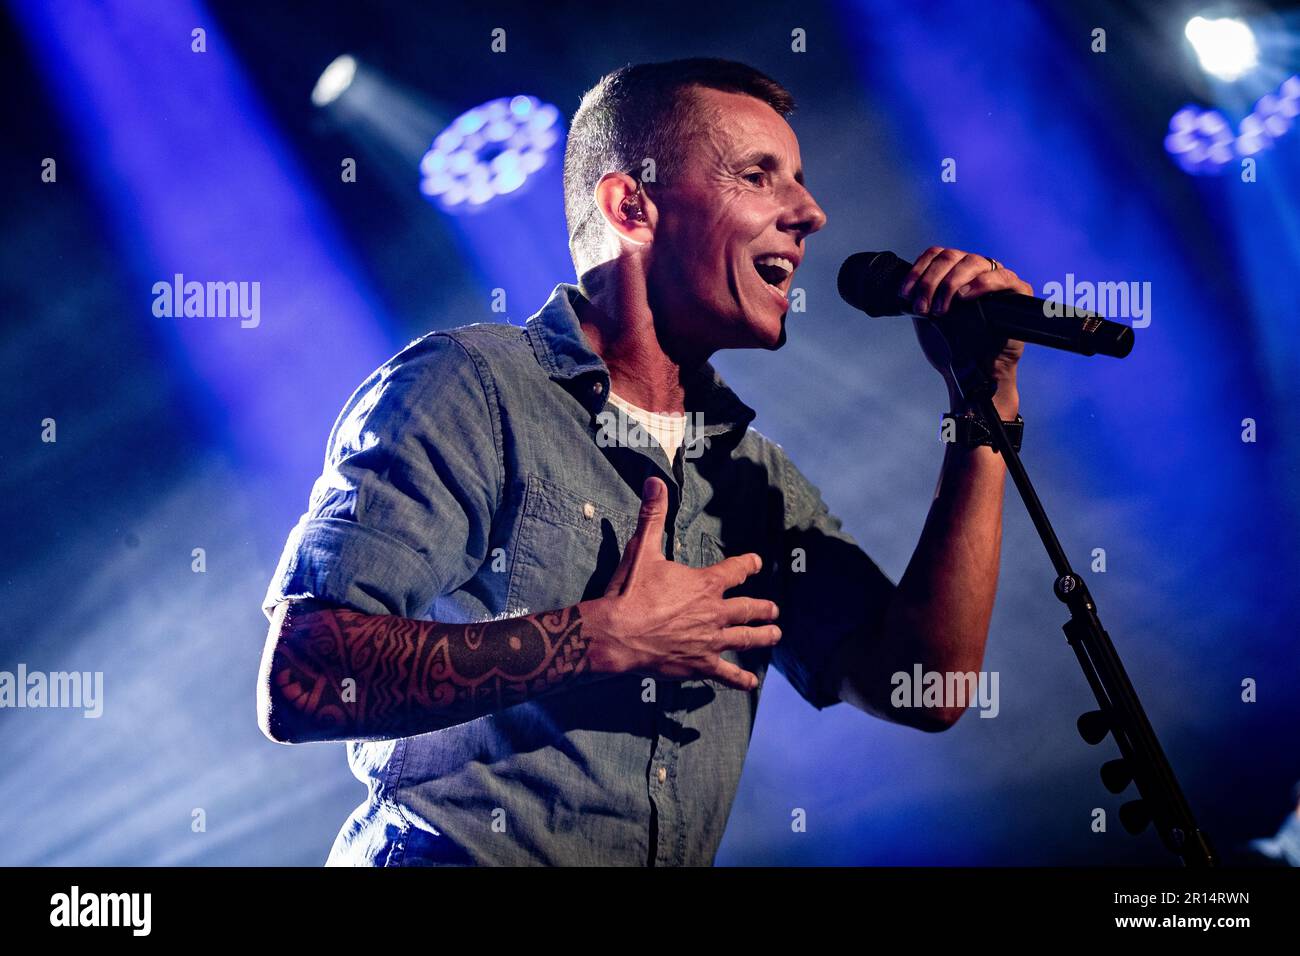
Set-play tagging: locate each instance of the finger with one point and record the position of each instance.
(742, 610)
(747, 638)
(924, 291)
(993, 282)
(733, 676)
(735, 570)
(647, 539)
(922, 263)
(965, 271)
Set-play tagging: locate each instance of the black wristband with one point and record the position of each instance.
(970, 431)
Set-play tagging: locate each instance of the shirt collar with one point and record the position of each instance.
(563, 351)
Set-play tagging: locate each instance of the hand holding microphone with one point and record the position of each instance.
(874, 281)
(971, 313)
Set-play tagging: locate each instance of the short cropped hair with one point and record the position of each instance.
(641, 112)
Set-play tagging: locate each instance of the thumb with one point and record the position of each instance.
(647, 541)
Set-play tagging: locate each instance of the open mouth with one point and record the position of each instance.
(776, 272)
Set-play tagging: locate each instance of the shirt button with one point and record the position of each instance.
(677, 546)
(662, 774)
(588, 510)
(597, 387)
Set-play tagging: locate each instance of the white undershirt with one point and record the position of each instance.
(668, 430)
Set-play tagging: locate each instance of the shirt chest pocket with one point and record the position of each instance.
(567, 547)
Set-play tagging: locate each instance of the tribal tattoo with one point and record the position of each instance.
(341, 675)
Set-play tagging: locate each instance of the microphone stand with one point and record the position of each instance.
(1120, 713)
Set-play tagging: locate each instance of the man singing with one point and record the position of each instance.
(544, 646)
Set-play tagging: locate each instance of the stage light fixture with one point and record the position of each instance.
(489, 151)
(1226, 46)
(1202, 141)
(336, 78)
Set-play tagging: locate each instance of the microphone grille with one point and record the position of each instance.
(870, 281)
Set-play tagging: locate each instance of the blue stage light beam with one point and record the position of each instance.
(199, 184)
(390, 123)
(194, 181)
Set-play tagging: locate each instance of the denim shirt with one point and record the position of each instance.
(480, 474)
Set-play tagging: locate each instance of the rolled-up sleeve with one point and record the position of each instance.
(402, 510)
(831, 590)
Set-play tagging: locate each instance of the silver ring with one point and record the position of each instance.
(996, 265)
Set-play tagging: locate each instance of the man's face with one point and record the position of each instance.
(736, 207)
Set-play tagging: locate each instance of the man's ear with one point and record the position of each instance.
(626, 207)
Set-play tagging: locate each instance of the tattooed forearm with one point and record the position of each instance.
(339, 675)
